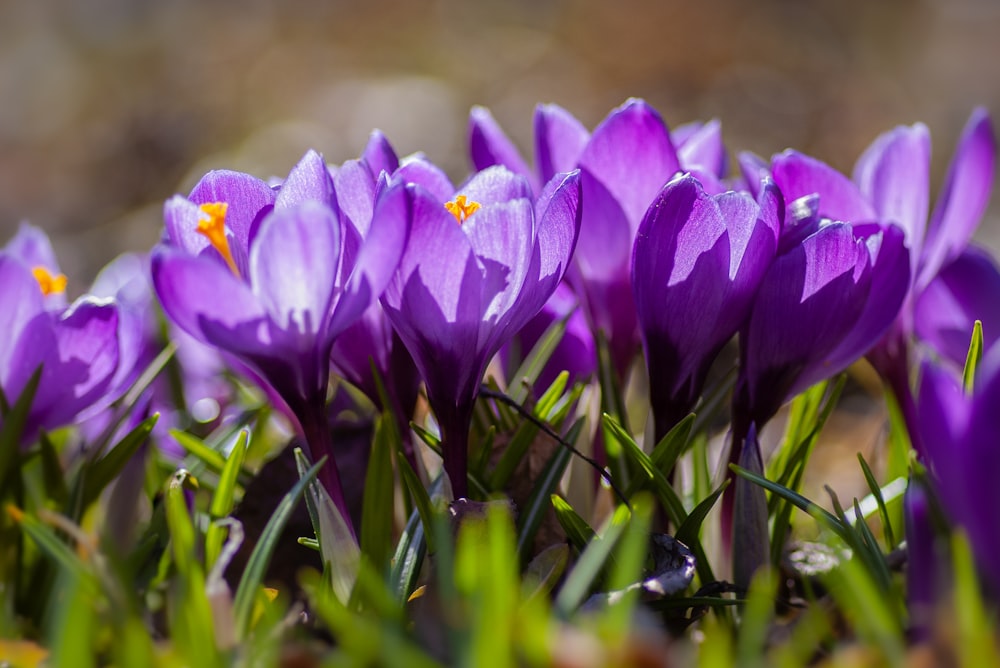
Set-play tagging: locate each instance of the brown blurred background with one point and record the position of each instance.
(107, 107)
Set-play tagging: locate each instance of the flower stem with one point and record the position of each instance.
(316, 430)
(455, 422)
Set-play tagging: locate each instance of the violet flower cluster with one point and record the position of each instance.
(385, 273)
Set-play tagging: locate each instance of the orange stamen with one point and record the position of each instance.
(49, 283)
(461, 208)
(213, 228)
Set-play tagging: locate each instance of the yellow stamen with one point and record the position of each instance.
(214, 229)
(462, 208)
(49, 283)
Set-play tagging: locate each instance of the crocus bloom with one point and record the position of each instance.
(76, 348)
(820, 307)
(696, 265)
(32, 247)
(479, 264)
(890, 185)
(960, 433)
(276, 287)
(623, 164)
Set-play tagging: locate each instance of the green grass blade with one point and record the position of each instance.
(223, 499)
(577, 530)
(590, 564)
(688, 532)
(526, 376)
(98, 475)
(877, 494)
(976, 642)
(377, 501)
(973, 357)
(408, 559)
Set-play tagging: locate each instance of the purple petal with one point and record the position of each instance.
(753, 169)
(248, 197)
(32, 247)
(496, 185)
(293, 266)
(355, 188)
(890, 285)
(703, 149)
(559, 140)
(893, 174)
(502, 237)
(631, 156)
(309, 180)
(490, 146)
(437, 256)
(963, 197)
(21, 302)
(965, 290)
(379, 154)
(377, 258)
(558, 219)
(807, 303)
(799, 175)
(204, 298)
(427, 175)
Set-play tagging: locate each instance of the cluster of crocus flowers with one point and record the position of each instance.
(381, 268)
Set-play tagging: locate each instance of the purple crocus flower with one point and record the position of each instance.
(820, 307)
(479, 264)
(623, 165)
(276, 284)
(696, 265)
(890, 185)
(76, 348)
(960, 433)
(32, 247)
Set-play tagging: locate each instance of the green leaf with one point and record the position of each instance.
(877, 494)
(338, 546)
(527, 374)
(641, 461)
(544, 571)
(824, 516)
(14, 422)
(95, 476)
(630, 556)
(866, 606)
(421, 499)
(590, 564)
(54, 547)
(408, 559)
(52, 472)
(974, 356)
(377, 502)
(197, 448)
(688, 532)
(577, 530)
(223, 499)
(253, 575)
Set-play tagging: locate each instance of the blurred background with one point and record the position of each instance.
(107, 107)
